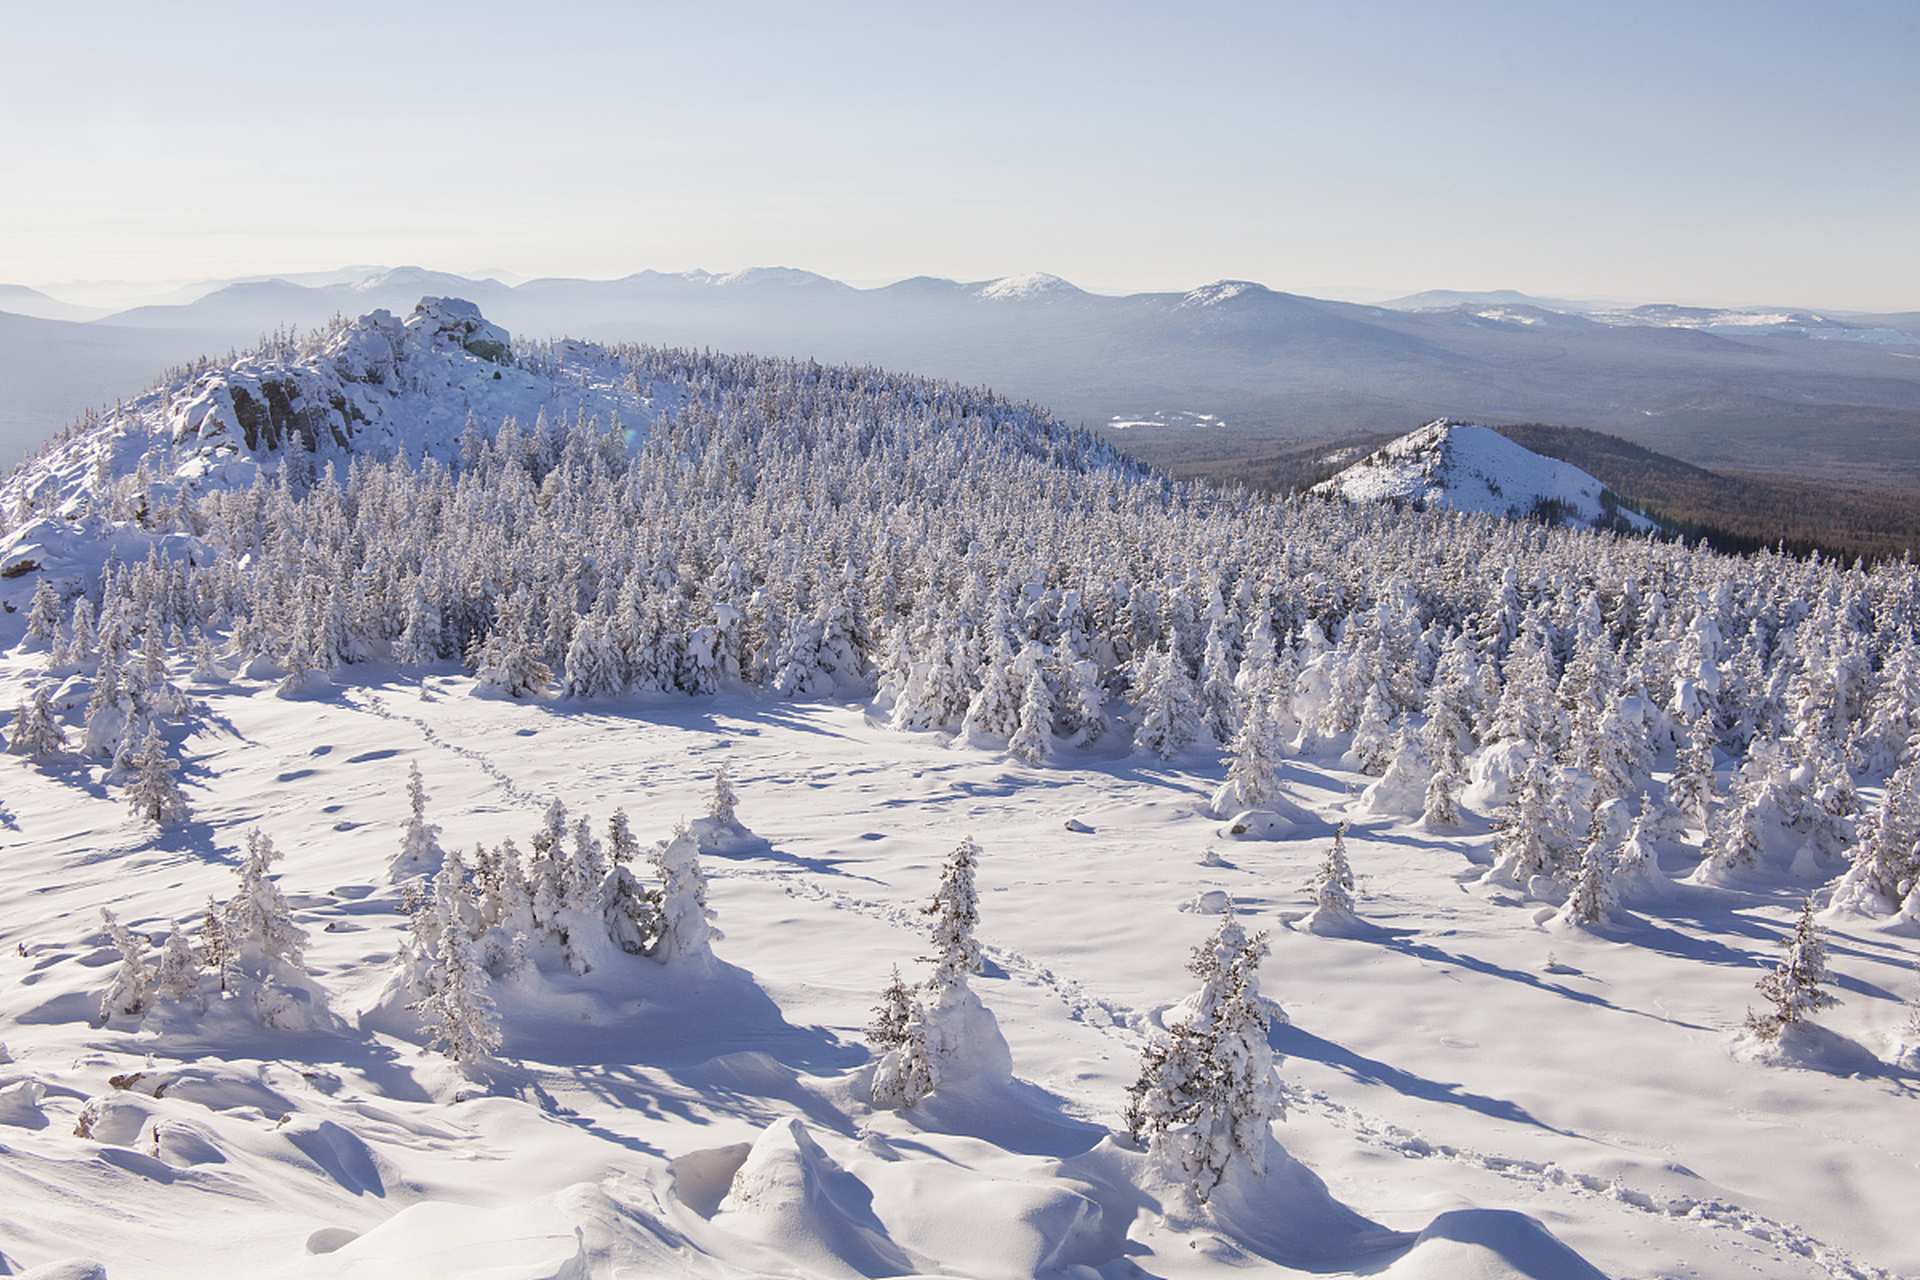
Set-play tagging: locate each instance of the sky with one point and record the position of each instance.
(1754, 152)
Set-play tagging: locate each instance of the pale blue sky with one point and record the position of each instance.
(1740, 152)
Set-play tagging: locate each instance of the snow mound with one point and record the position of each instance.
(1471, 468)
(1489, 1244)
(1807, 1046)
(1281, 819)
(794, 1198)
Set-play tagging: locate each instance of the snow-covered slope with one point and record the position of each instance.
(899, 613)
(375, 387)
(1471, 468)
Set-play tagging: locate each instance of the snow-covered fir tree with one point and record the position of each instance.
(177, 976)
(1170, 719)
(129, 992)
(907, 1069)
(1592, 899)
(153, 795)
(947, 1032)
(1332, 885)
(1528, 836)
(419, 853)
(1372, 749)
(36, 732)
(1032, 739)
(721, 804)
(454, 1002)
(1885, 868)
(1691, 788)
(955, 910)
(686, 929)
(257, 928)
(1253, 767)
(1794, 987)
(1208, 1093)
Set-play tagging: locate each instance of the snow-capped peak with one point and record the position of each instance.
(1036, 284)
(1474, 468)
(1210, 295)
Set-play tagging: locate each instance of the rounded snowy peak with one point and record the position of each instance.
(1475, 468)
(782, 277)
(1212, 295)
(1034, 285)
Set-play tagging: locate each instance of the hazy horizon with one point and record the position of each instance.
(116, 294)
(1757, 154)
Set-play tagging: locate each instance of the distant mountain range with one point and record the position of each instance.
(1224, 371)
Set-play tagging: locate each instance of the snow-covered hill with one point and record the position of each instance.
(376, 387)
(1471, 468)
(1584, 786)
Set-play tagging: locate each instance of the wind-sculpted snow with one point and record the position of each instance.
(1515, 816)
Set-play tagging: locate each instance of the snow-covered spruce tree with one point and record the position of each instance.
(1169, 708)
(1209, 1092)
(1332, 885)
(1593, 899)
(110, 712)
(949, 1033)
(686, 923)
(1636, 867)
(129, 993)
(1219, 698)
(720, 805)
(43, 617)
(36, 733)
(1032, 739)
(206, 664)
(419, 853)
(153, 796)
(547, 871)
(455, 1005)
(907, 1070)
(1527, 837)
(216, 953)
(505, 661)
(1793, 987)
(177, 976)
(257, 925)
(1372, 748)
(1253, 771)
(1440, 808)
(1886, 863)
(993, 716)
(956, 912)
(631, 909)
(1736, 839)
(1691, 789)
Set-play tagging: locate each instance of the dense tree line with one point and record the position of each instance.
(978, 568)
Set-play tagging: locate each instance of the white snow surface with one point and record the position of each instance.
(1471, 468)
(1444, 1079)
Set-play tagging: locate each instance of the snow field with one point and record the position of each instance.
(1435, 1061)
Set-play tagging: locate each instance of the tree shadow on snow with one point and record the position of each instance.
(1431, 954)
(662, 1016)
(1296, 1042)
